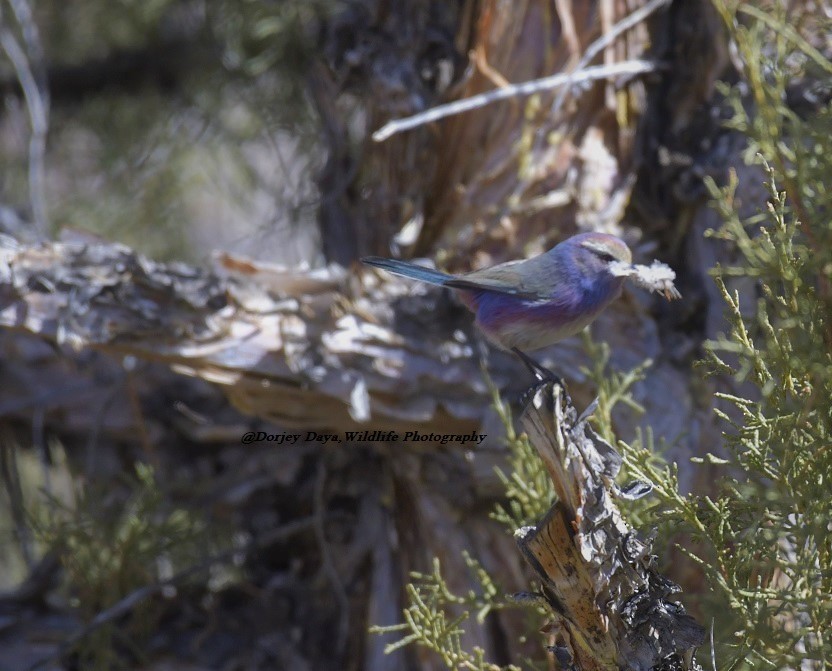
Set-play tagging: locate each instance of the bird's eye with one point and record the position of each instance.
(606, 257)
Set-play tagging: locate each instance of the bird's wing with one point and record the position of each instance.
(504, 278)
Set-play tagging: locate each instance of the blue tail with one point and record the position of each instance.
(408, 270)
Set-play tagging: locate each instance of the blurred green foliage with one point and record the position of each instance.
(75, 31)
(262, 36)
(113, 541)
(179, 126)
(29, 483)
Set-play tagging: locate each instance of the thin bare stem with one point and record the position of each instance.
(633, 67)
(37, 102)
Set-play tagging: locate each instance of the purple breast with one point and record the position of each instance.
(528, 325)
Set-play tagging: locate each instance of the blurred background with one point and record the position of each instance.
(175, 127)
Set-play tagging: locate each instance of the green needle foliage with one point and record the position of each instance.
(528, 488)
(763, 539)
(611, 386)
(770, 526)
(435, 615)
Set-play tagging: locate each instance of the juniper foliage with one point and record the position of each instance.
(763, 539)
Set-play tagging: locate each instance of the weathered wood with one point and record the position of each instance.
(612, 608)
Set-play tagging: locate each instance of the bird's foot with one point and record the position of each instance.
(540, 372)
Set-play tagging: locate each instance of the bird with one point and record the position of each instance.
(529, 304)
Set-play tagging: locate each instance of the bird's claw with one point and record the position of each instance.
(540, 372)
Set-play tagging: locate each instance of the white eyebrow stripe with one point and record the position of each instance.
(615, 251)
(597, 247)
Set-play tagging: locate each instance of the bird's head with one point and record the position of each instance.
(600, 253)
(604, 260)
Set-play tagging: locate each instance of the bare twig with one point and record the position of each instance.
(130, 363)
(326, 557)
(632, 67)
(27, 64)
(39, 443)
(569, 32)
(95, 431)
(713, 650)
(11, 477)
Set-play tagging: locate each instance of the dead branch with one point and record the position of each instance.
(303, 349)
(612, 609)
(590, 74)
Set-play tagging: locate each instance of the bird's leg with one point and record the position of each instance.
(540, 372)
